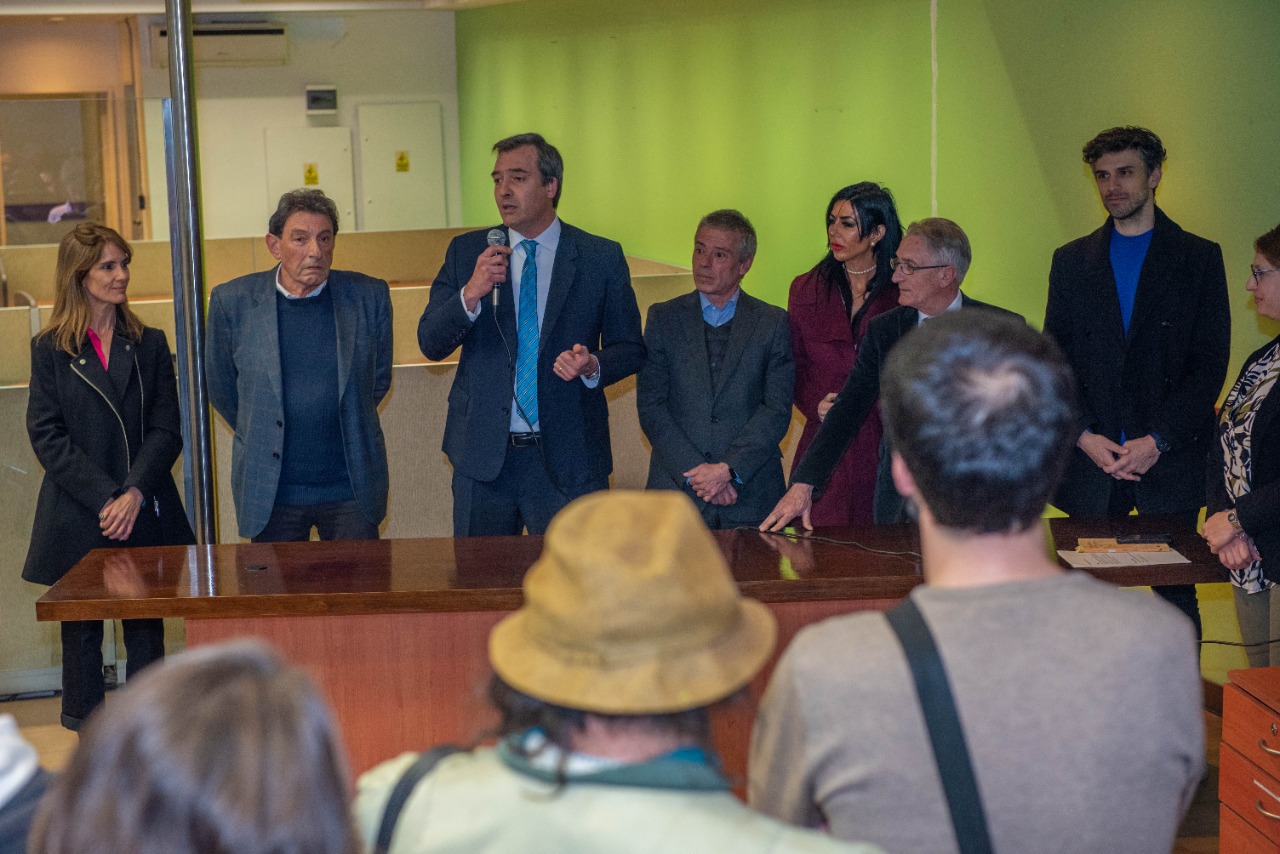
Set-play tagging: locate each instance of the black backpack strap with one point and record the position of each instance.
(404, 787)
(968, 818)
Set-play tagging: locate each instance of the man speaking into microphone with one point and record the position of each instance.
(546, 318)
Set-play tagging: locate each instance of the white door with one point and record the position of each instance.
(401, 166)
(312, 157)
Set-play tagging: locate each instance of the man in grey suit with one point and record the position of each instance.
(714, 395)
(298, 360)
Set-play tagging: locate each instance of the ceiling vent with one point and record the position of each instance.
(226, 44)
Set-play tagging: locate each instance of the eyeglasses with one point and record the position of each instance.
(909, 269)
(1254, 272)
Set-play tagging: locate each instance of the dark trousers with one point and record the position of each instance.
(337, 520)
(82, 687)
(521, 496)
(1181, 596)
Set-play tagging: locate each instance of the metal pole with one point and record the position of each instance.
(185, 241)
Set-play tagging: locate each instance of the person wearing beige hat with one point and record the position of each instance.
(631, 628)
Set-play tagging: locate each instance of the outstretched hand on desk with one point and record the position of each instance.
(797, 502)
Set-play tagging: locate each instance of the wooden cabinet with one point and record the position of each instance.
(1249, 762)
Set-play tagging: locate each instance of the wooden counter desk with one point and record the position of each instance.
(395, 631)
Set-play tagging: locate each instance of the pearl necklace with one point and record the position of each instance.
(870, 269)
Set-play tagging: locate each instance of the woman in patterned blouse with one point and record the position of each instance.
(1243, 522)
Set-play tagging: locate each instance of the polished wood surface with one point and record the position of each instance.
(400, 682)
(1263, 683)
(395, 632)
(396, 682)
(1249, 793)
(1252, 727)
(1249, 778)
(1237, 836)
(485, 574)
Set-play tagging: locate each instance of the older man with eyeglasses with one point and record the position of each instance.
(930, 265)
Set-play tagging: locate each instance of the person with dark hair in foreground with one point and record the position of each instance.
(220, 750)
(1140, 309)
(1079, 702)
(631, 628)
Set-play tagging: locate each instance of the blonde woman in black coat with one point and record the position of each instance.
(103, 420)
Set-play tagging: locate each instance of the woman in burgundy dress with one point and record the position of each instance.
(829, 308)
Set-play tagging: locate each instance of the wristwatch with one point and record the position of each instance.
(1161, 445)
(1235, 521)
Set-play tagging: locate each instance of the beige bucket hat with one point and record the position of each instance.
(631, 610)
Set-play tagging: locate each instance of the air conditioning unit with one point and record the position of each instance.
(226, 44)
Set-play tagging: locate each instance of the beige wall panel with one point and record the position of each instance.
(655, 289)
(397, 256)
(15, 346)
(407, 304)
(229, 258)
(31, 269)
(646, 267)
(157, 313)
(26, 647)
(151, 270)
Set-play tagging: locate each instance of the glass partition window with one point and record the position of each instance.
(52, 154)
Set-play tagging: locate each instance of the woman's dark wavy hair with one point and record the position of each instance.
(222, 750)
(874, 206)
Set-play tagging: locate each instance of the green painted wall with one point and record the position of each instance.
(666, 109)
(1023, 85)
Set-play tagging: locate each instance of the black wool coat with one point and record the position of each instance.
(95, 432)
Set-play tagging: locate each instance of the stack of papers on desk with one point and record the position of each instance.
(1103, 552)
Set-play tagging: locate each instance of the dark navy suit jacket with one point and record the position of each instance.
(590, 302)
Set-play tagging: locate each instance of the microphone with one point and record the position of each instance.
(496, 237)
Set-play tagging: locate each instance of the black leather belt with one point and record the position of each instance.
(524, 440)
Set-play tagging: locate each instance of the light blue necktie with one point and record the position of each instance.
(527, 337)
